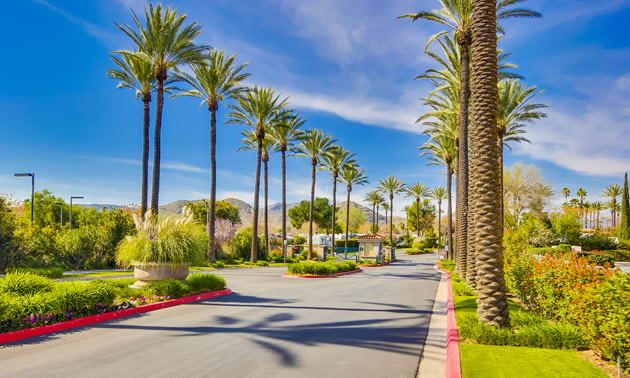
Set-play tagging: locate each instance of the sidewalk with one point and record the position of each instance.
(433, 360)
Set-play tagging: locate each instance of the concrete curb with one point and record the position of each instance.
(43, 330)
(328, 276)
(453, 366)
(375, 265)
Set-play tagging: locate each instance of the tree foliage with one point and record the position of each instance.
(322, 213)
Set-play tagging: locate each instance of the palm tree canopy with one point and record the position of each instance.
(285, 131)
(134, 73)
(337, 159)
(391, 186)
(250, 143)
(257, 108)
(163, 41)
(353, 175)
(314, 145)
(613, 191)
(566, 191)
(214, 80)
(438, 193)
(372, 197)
(441, 150)
(417, 190)
(581, 193)
(514, 110)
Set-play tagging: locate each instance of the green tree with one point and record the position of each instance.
(222, 210)
(165, 44)
(566, 192)
(355, 219)
(624, 227)
(8, 226)
(613, 191)
(240, 245)
(351, 175)
(314, 145)
(258, 110)
(135, 73)
(322, 213)
(417, 191)
(567, 226)
(385, 206)
(582, 194)
(439, 193)
(426, 218)
(373, 197)
(391, 186)
(48, 212)
(215, 80)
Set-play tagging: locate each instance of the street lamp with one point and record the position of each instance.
(71, 198)
(60, 204)
(32, 176)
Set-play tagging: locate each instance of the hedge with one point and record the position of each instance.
(352, 243)
(321, 269)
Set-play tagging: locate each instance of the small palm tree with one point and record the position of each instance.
(566, 192)
(314, 146)
(381, 201)
(165, 44)
(597, 207)
(215, 80)
(581, 193)
(351, 175)
(417, 191)
(284, 134)
(385, 206)
(391, 186)
(439, 193)
(373, 198)
(613, 191)
(135, 73)
(258, 110)
(334, 163)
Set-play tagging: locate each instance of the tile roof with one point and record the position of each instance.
(370, 236)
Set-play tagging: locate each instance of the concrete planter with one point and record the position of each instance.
(145, 273)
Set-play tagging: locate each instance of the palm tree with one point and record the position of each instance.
(597, 207)
(334, 162)
(385, 206)
(613, 191)
(165, 44)
(351, 175)
(417, 191)
(135, 73)
(250, 143)
(581, 193)
(439, 193)
(373, 198)
(257, 109)
(566, 192)
(391, 186)
(314, 145)
(284, 134)
(215, 81)
(492, 306)
(381, 201)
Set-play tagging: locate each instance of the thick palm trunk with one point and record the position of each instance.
(348, 215)
(213, 185)
(492, 307)
(256, 202)
(310, 213)
(418, 216)
(265, 162)
(471, 256)
(284, 204)
(449, 211)
(333, 213)
(391, 219)
(146, 125)
(157, 145)
(462, 156)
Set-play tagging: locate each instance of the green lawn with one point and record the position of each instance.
(490, 361)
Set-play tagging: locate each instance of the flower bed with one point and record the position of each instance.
(327, 268)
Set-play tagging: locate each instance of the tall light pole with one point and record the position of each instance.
(60, 204)
(32, 176)
(71, 198)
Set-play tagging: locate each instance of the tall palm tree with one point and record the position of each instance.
(373, 198)
(314, 146)
(256, 109)
(613, 191)
(334, 163)
(391, 186)
(581, 193)
(250, 143)
(135, 73)
(566, 192)
(215, 80)
(381, 201)
(351, 175)
(284, 134)
(417, 191)
(385, 206)
(439, 193)
(165, 44)
(492, 306)
(597, 206)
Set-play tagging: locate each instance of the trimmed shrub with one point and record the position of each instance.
(321, 269)
(78, 295)
(46, 272)
(624, 244)
(543, 251)
(24, 283)
(262, 263)
(620, 255)
(596, 242)
(601, 259)
(352, 243)
(241, 245)
(205, 281)
(171, 288)
(219, 264)
(299, 240)
(564, 248)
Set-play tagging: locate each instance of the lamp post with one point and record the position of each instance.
(32, 176)
(72, 198)
(60, 204)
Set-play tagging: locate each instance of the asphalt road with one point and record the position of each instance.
(369, 324)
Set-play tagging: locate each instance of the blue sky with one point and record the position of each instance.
(347, 67)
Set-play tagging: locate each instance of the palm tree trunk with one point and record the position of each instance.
(310, 216)
(333, 213)
(213, 185)
(266, 205)
(439, 222)
(449, 212)
(256, 203)
(373, 230)
(386, 221)
(349, 188)
(157, 145)
(391, 219)
(146, 125)
(492, 306)
(418, 216)
(377, 206)
(462, 156)
(284, 204)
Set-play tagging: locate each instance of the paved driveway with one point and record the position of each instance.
(369, 324)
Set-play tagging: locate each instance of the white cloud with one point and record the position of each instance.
(175, 166)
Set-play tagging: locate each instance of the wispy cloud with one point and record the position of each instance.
(175, 166)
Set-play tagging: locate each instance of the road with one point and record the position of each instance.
(368, 324)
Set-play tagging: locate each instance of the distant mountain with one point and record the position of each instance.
(173, 207)
(99, 206)
(367, 211)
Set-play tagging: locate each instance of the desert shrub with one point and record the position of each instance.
(596, 242)
(24, 283)
(299, 240)
(205, 281)
(321, 269)
(352, 243)
(171, 288)
(46, 272)
(241, 245)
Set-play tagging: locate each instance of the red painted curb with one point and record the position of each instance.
(328, 276)
(453, 367)
(43, 330)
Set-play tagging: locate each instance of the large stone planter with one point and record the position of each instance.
(145, 273)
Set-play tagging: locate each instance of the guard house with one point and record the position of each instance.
(369, 246)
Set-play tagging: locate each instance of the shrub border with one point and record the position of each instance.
(327, 276)
(51, 328)
(375, 265)
(453, 366)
